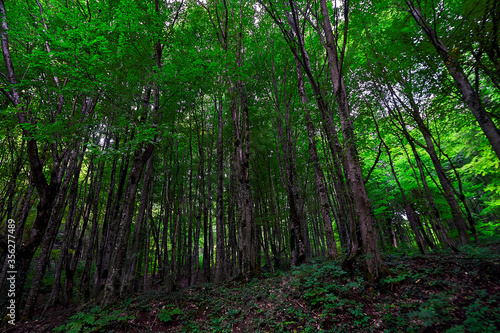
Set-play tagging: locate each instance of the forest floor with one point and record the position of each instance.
(440, 292)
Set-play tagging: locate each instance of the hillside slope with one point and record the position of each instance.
(440, 292)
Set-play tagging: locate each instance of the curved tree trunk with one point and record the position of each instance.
(470, 96)
(366, 220)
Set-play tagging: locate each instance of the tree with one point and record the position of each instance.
(470, 96)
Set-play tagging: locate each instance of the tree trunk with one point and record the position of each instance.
(109, 225)
(470, 96)
(318, 172)
(115, 280)
(220, 254)
(93, 241)
(366, 221)
(448, 191)
(139, 222)
(50, 233)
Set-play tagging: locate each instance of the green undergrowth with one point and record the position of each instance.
(441, 292)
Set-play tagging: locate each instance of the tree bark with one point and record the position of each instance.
(51, 232)
(470, 96)
(114, 281)
(139, 222)
(297, 214)
(319, 177)
(220, 254)
(366, 221)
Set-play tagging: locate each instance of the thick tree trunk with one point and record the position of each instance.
(240, 117)
(50, 233)
(366, 221)
(20, 218)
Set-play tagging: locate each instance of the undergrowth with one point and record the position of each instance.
(441, 292)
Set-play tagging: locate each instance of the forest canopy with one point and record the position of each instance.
(195, 141)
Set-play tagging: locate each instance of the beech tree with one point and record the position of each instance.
(169, 143)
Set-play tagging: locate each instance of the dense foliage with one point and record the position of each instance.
(170, 143)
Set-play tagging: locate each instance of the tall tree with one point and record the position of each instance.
(451, 60)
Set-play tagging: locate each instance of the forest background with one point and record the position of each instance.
(193, 141)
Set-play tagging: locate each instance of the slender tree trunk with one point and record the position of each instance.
(434, 211)
(189, 257)
(445, 182)
(220, 254)
(109, 225)
(318, 172)
(233, 257)
(339, 158)
(114, 281)
(68, 236)
(470, 96)
(290, 179)
(16, 168)
(366, 221)
(146, 255)
(140, 220)
(94, 239)
(409, 210)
